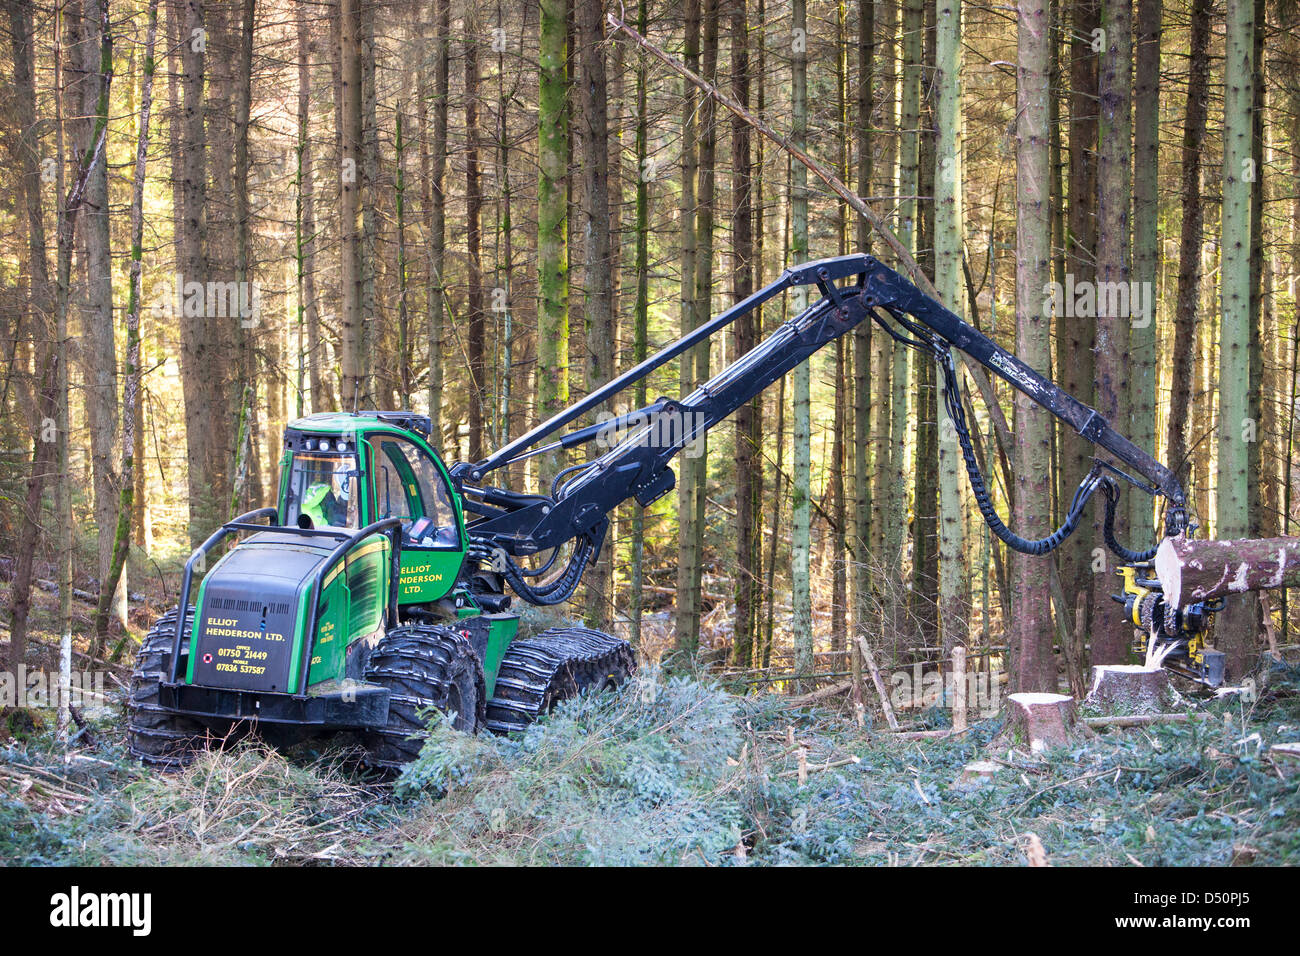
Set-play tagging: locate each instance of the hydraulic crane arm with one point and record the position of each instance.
(641, 444)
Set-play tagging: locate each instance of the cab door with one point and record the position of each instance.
(410, 484)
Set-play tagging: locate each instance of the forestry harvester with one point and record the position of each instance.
(381, 583)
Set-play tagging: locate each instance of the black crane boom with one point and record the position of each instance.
(641, 444)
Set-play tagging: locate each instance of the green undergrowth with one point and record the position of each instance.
(680, 772)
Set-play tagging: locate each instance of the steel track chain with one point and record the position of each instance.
(562, 662)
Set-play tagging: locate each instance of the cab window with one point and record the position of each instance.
(409, 486)
(322, 491)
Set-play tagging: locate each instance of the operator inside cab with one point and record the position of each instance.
(323, 491)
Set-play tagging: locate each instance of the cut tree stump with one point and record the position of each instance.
(978, 772)
(1191, 571)
(1042, 721)
(1130, 689)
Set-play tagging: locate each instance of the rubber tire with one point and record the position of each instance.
(423, 666)
(159, 737)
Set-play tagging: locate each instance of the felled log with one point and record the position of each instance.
(1191, 571)
(1042, 721)
(822, 693)
(1130, 689)
(1134, 720)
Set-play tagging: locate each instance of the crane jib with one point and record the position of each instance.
(851, 289)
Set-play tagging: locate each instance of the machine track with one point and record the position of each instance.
(539, 672)
(423, 666)
(159, 737)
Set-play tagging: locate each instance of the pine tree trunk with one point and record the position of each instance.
(476, 321)
(1076, 335)
(351, 334)
(925, 497)
(24, 155)
(1193, 570)
(552, 224)
(641, 319)
(801, 626)
(1190, 241)
(1110, 635)
(434, 200)
(98, 351)
(311, 346)
(704, 218)
(1030, 629)
(405, 373)
(1255, 404)
(862, 375)
(1235, 628)
(198, 349)
(121, 539)
(902, 398)
(1146, 255)
(749, 475)
(371, 332)
(685, 626)
(246, 385)
(598, 288)
(948, 278)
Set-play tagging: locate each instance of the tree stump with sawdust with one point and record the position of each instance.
(1123, 689)
(1041, 721)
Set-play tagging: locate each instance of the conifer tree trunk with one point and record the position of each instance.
(552, 224)
(97, 341)
(706, 191)
(801, 625)
(685, 626)
(641, 317)
(308, 313)
(749, 475)
(371, 328)
(862, 379)
(352, 334)
(1146, 254)
(1235, 626)
(1190, 240)
(1030, 629)
(1110, 634)
(476, 321)
(25, 157)
(598, 287)
(433, 158)
(121, 539)
(198, 349)
(949, 282)
(1076, 334)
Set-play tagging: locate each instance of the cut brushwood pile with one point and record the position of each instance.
(1191, 571)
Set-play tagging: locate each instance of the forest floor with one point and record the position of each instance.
(665, 771)
(676, 772)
